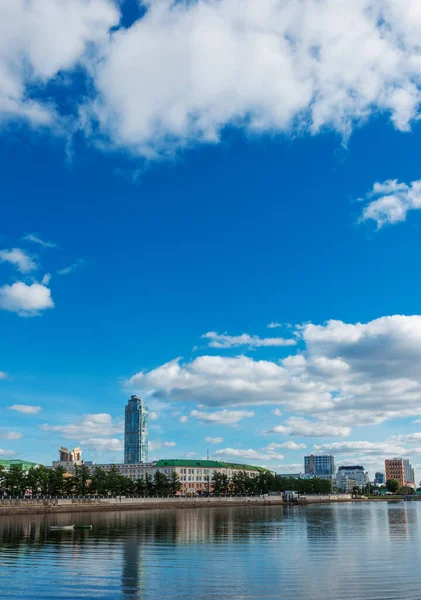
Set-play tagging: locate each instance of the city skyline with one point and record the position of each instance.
(236, 243)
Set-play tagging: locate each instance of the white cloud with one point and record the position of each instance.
(7, 452)
(28, 32)
(183, 419)
(189, 454)
(218, 340)
(25, 409)
(222, 417)
(346, 374)
(267, 66)
(153, 416)
(213, 440)
(301, 427)
(153, 446)
(289, 445)
(3, 375)
(100, 424)
(46, 279)
(268, 453)
(11, 435)
(391, 201)
(276, 412)
(274, 325)
(78, 264)
(34, 238)
(103, 444)
(383, 448)
(18, 258)
(25, 300)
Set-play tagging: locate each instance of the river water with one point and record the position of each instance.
(361, 551)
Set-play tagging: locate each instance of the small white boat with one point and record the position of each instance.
(62, 527)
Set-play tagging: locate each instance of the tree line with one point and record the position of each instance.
(56, 482)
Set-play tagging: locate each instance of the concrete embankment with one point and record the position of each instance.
(66, 505)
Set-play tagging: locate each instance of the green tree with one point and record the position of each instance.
(140, 487)
(82, 479)
(393, 485)
(220, 483)
(161, 483)
(149, 486)
(113, 482)
(15, 481)
(174, 483)
(99, 482)
(406, 490)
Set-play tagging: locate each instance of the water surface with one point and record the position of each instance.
(327, 552)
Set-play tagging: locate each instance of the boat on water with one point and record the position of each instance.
(62, 527)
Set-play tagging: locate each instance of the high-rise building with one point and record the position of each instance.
(74, 455)
(322, 466)
(400, 469)
(379, 479)
(409, 473)
(354, 473)
(136, 431)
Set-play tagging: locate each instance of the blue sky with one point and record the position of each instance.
(147, 203)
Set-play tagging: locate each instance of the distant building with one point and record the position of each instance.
(295, 475)
(322, 466)
(74, 455)
(379, 479)
(409, 473)
(23, 465)
(351, 476)
(136, 431)
(400, 469)
(195, 475)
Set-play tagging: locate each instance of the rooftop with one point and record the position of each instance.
(207, 464)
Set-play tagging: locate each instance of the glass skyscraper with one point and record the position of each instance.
(136, 431)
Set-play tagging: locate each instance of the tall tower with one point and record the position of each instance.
(136, 431)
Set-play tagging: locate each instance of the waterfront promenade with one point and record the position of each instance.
(63, 505)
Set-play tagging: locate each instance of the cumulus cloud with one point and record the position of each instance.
(301, 427)
(103, 444)
(214, 440)
(7, 452)
(28, 32)
(25, 300)
(25, 409)
(273, 325)
(268, 66)
(35, 239)
(11, 435)
(18, 258)
(289, 445)
(390, 202)
(153, 446)
(222, 417)
(347, 374)
(382, 448)
(268, 453)
(219, 340)
(101, 424)
(183, 419)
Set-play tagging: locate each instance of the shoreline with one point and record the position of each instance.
(62, 506)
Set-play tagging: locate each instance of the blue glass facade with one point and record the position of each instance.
(136, 431)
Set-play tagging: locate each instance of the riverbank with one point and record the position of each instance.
(74, 505)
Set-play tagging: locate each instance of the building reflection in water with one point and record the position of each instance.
(402, 519)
